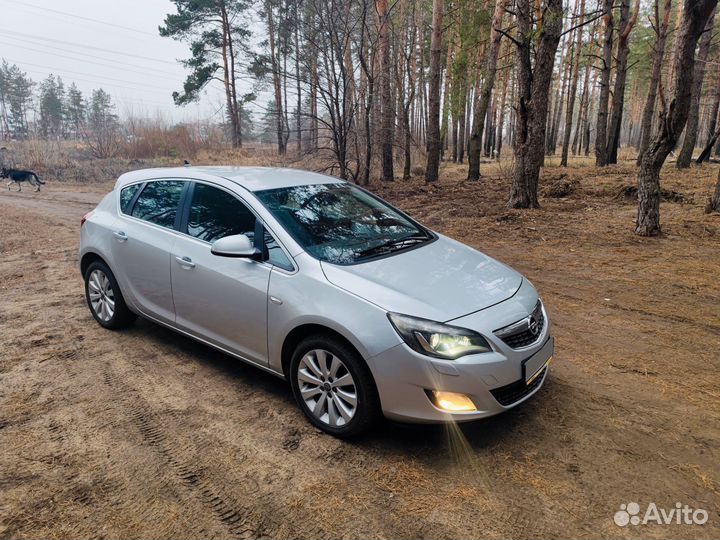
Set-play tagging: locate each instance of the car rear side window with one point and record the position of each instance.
(158, 202)
(215, 214)
(126, 197)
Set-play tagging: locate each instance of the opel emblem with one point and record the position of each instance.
(533, 326)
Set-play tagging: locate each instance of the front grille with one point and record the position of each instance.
(514, 392)
(522, 333)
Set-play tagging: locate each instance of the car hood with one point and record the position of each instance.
(441, 281)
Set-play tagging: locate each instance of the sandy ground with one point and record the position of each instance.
(144, 433)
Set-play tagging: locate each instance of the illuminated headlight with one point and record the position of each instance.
(437, 339)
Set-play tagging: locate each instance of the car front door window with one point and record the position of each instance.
(215, 214)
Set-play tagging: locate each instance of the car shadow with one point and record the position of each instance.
(387, 436)
(241, 372)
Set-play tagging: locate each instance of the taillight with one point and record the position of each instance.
(85, 218)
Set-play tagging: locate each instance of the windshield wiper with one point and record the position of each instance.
(393, 244)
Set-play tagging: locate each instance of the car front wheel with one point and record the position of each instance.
(333, 386)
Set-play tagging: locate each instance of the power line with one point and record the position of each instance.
(75, 25)
(110, 85)
(54, 70)
(70, 43)
(150, 71)
(42, 8)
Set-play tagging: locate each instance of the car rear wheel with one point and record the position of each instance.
(333, 386)
(104, 298)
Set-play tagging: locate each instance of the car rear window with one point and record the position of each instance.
(158, 202)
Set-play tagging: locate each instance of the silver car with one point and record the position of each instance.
(362, 309)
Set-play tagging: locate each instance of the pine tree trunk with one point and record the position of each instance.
(277, 83)
(714, 204)
(708, 148)
(475, 142)
(534, 86)
(314, 122)
(387, 116)
(410, 65)
(461, 125)
(586, 120)
(573, 90)
(602, 115)
(691, 129)
(712, 124)
(657, 64)
(229, 80)
(445, 115)
(695, 16)
(566, 67)
(584, 98)
(423, 97)
(367, 64)
(432, 169)
(501, 119)
(618, 101)
(488, 132)
(454, 156)
(298, 112)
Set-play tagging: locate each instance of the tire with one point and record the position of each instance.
(104, 298)
(315, 376)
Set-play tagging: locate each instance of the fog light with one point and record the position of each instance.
(452, 402)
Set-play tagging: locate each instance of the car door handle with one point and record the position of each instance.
(120, 236)
(185, 261)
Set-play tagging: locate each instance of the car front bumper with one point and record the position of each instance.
(495, 382)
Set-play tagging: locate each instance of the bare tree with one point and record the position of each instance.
(695, 16)
(538, 32)
(101, 130)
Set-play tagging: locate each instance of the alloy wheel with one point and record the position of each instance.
(102, 297)
(327, 387)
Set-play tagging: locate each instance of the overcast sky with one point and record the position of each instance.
(80, 41)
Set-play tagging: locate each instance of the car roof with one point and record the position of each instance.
(251, 178)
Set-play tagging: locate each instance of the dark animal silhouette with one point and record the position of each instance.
(17, 176)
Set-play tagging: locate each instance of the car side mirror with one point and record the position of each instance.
(237, 245)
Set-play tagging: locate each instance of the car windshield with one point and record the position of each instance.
(341, 223)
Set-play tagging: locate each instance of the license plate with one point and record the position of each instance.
(534, 365)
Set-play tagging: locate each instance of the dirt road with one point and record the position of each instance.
(144, 433)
